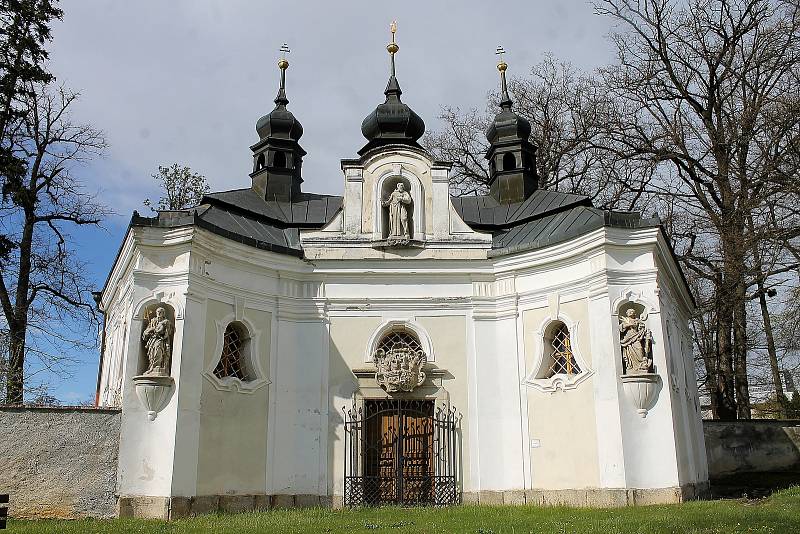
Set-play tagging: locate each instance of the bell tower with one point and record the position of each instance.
(277, 156)
(512, 158)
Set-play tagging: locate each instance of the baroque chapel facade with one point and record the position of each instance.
(397, 345)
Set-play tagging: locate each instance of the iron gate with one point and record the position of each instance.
(400, 452)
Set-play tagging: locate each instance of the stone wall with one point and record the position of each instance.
(757, 446)
(59, 461)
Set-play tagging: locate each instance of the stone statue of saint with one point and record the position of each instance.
(157, 338)
(636, 341)
(398, 204)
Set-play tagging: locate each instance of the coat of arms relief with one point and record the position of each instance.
(400, 361)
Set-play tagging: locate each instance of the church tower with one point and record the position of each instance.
(512, 158)
(278, 157)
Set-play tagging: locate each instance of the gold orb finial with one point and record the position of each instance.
(392, 47)
(283, 63)
(502, 66)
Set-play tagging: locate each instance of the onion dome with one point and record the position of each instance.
(392, 122)
(507, 124)
(512, 157)
(280, 123)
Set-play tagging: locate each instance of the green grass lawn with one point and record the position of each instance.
(779, 513)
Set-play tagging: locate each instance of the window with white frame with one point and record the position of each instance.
(559, 364)
(233, 360)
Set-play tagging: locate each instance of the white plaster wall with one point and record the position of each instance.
(563, 445)
(318, 317)
(232, 455)
(299, 387)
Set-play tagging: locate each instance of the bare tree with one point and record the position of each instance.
(709, 89)
(567, 110)
(181, 187)
(45, 297)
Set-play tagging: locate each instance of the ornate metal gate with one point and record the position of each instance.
(400, 452)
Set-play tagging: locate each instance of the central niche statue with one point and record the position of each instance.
(636, 342)
(157, 339)
(399, 205)
(399, 368)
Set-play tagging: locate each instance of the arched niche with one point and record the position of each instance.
(149, 317)
(384, 187)
(387, 187)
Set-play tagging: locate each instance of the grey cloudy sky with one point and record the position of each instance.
(185, 81)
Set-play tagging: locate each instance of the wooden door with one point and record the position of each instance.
(399, 467)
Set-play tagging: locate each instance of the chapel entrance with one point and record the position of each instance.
(400, 452)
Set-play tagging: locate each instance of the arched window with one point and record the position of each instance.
(562, 360)
(279, 160)
(400, 338)
(260, 162)
(232, 361)
(509, 162)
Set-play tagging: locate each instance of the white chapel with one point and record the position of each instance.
(396, 344)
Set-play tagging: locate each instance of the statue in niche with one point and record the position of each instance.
(637, 343)
(398, 204)
(157, 338)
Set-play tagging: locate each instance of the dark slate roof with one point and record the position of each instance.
(563, 225)
(241, 215)
(545, 218)
(309, 211)
(484, 212)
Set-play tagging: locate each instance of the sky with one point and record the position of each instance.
(185, 82)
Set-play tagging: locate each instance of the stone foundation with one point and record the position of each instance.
(589, 497)
(180, 507)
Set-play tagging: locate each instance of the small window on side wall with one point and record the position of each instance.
(232, 361)
(558, 363)
(562, 359)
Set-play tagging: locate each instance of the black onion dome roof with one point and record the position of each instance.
(392, 122)
(280, 122)
(507, 124)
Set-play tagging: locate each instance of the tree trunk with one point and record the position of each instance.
(740, 354)
(772, 353)
(726, 305)
(16, 365)
(726, 400)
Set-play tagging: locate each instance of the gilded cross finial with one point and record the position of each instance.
(392, 47)
(501, 66)
(505, 100)
(283, 63)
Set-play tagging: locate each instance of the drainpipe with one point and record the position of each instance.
(97, 296)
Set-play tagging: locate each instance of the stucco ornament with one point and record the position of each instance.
(399, 205)
(157, 339)
(636, 341)
(399, 368)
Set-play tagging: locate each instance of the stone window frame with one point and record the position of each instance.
(251, 355)
(536, 378)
